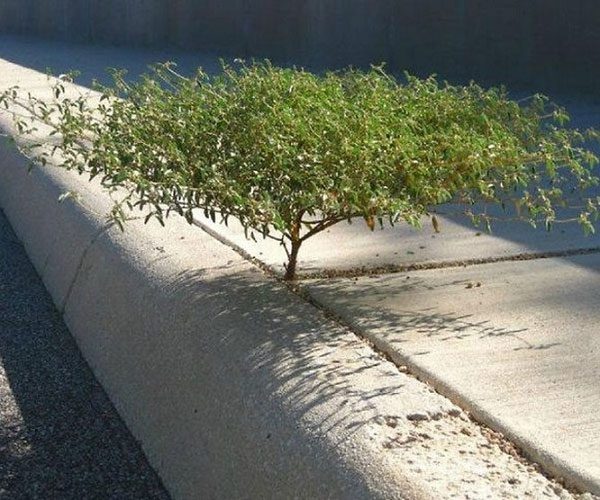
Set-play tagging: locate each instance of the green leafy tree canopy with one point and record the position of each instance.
(289, 153)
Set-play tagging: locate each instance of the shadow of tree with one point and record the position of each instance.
(290, 353)
(398, 325)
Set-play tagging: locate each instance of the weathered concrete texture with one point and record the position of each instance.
(59, 435)
(236, 387)
(516, 343)
(549, 43)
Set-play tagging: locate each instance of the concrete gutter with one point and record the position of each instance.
(235, 386)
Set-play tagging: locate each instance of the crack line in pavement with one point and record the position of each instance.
(237, 248)
(97, 235)
(423, 266)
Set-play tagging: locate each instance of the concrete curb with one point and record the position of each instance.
(229, 381)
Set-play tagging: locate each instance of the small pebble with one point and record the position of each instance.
(391, 421)
(417, 417)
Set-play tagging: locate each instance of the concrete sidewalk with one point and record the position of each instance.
(514, 341)
(239, 341)
(353, 249)
(60, 437)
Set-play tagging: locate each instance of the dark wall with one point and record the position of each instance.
(547, 43)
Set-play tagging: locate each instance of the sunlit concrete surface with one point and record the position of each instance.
(517, 343)
(354, 249)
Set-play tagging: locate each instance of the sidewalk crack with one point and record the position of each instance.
(82, 259)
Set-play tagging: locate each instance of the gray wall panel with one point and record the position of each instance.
(547, 43)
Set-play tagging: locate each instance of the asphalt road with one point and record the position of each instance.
(60, 436)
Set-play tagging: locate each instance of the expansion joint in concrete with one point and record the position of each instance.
(424, 266)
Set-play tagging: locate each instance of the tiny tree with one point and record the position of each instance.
(289, 153)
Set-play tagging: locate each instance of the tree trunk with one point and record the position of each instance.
(290, 268)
